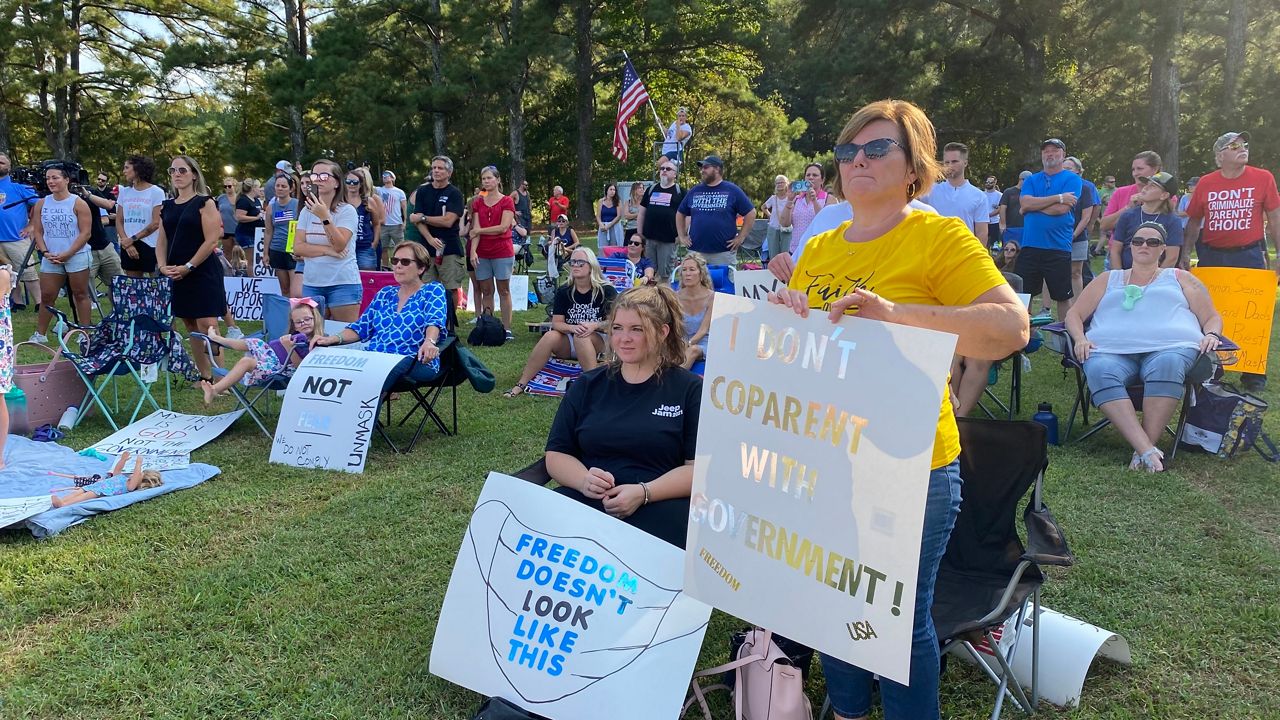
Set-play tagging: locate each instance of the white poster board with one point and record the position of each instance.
(259, 265)
(330, 408)
(244, 295)
(755, 284)
(566, 611)
(15, 510)
(519, 295)
(166, 433)
(809, 487)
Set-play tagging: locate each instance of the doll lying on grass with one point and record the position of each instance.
(88, 487)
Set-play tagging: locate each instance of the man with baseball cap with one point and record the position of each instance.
(396, 203)
(707, 220)
(1046, 201)
(1225, 216)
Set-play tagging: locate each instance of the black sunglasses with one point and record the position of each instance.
(403, 261)
(633, 243)
(1149, 242)
(874, 150)
(352, 183)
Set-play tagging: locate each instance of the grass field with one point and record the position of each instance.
(276, 593)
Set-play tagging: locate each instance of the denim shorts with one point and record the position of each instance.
(367, 258)
(495, 268)
(335, 296)
(76, 263)
(1162, 373)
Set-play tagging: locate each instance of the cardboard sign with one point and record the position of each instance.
(756, 284)
(566, 611)
(1247, 301)
(166, 433)
(244, 295)
(519, 295)
(259, 266)
(330, 408)
(15, 510)
(814, 451)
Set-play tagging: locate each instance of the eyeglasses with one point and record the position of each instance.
(578, 262)
(179, 170)
(667, 168)
(633, 243)
(406, 262)
(351, 183)
(1236, 145)
(227, 187)
(1149, 242)
(102, 180)
(317, 177)
(874, 150)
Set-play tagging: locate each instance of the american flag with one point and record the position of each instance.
(634, 96)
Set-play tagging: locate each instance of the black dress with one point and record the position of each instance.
(200, 294)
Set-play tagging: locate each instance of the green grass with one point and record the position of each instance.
(276, 593)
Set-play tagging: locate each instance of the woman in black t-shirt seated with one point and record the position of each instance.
(578, 314)
(593, 451)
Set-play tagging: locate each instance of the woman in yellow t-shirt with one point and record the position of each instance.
(896, 264)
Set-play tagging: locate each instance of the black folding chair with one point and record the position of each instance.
(987, 575)
(1205, 367)
(427, 395)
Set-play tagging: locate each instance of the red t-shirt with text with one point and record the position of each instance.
(557, 206)
(1232, 209)
(493, 246)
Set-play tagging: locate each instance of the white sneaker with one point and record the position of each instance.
(235, 333)
(38, 338)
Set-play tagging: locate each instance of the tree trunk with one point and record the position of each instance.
(73, 89)
(295, 20)
(1237, 21)
(1165, 83)
(515, 102)
(586, 102)
(437, 78)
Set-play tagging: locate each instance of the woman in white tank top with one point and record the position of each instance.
(1149, 326)
(60, 228)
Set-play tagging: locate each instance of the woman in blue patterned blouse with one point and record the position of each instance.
(406, 319)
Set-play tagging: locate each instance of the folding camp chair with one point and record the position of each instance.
(1205, 367)
(1016, 361)
(613, 251)
(987, 575)
(721, 278)
(453, 373)
(138, 331)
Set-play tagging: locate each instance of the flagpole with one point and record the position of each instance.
(662, 130)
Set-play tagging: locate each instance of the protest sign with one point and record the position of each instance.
(157, 462)
(330, 408)
(260, 267)
(166, 433)
(814, 450)
(566, 611)
(1246, 299)
(756, 284)
(15, 510)
(519, 295)
(244, 295)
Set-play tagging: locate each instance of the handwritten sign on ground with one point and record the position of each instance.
(244, 295)
(166, 433)
(1247, 301)
(330, 408)
(15, 510)
(259, 266)
(811, 475)
(566, 611)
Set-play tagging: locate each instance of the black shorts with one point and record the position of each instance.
(146, 261)
(281, 260)
(1039, 266)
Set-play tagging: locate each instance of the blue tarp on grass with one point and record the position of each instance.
(26, 473)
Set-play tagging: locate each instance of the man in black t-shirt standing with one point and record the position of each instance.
(1011, 211)
(437, 207)
(656, 220)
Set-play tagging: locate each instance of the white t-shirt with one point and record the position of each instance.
(966, 202)
(391, 198)
(774, 205)
(833, 216)
(993, 199)
(330, 271)
(136, 207)
(670, 143)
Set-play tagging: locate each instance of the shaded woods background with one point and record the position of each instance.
(531, 85)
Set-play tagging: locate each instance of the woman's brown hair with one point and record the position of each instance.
(919, 141)
(656, 306)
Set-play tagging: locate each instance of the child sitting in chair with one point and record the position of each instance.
(89, 487)
(264, 359)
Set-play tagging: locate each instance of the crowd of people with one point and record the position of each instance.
(899, 235)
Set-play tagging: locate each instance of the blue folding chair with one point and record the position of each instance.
(137, 332)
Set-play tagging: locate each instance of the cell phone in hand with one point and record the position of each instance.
(800, 186)
(311, 191)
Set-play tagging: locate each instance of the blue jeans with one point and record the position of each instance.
(1162, 373)
(367, 258)
(850, 687)
(415, 373)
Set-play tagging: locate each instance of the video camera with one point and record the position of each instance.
(34, 176)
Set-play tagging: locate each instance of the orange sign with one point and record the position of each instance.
(1247, 301)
